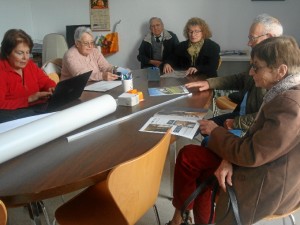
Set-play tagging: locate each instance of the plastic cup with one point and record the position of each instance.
(127, 85)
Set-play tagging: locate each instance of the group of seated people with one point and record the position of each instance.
(196, 55)
(262, 165)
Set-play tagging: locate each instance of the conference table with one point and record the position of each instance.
(59, 167)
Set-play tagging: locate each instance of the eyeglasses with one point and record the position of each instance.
(256, 68)
(190, 32)
(253, 38)
(88, 44)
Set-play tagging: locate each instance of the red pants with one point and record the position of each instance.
(193, 165)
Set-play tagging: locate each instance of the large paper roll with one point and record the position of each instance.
(29, 136)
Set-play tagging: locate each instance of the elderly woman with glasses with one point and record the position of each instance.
(263, 165)
(83, 57)
(198, 54)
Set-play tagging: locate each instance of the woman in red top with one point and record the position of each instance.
(22, 83)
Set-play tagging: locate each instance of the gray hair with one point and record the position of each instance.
(156, 18)
(80, 31)
(271, 24)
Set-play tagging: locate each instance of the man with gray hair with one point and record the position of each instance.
(194, 164)
(157, 46)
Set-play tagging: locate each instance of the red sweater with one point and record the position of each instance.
(14, 91)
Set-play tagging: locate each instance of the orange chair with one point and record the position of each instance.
(124, 197)
(3, 213)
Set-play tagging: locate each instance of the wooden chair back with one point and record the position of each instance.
(124, 197)
(3, 213)
(135, 185)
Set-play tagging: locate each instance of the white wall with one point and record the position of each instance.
(229, 19)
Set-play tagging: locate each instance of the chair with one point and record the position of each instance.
(290, 215)
(3, 213)
(53, 68)
(124, 197)
(223, 102)
(54, 46)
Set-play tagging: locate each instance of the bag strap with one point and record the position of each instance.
(191, 198)
(232, 201)
(234, 204)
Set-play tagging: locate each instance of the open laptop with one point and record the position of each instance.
(65, 92)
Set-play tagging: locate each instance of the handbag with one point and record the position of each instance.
(214, 182)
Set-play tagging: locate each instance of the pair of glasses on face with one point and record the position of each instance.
(191, 32)
(254, 38)
(256, 68)
(88, 44)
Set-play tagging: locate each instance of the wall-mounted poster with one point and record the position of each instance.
(99, 15)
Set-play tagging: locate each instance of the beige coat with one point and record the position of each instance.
(266, 160)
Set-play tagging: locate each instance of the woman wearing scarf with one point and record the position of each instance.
(198, 54)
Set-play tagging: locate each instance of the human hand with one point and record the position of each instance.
(109, 76)
(190, 71)
(207, 126)
(201, 85)
(39, 95)
(228, 124)
(155, 63)
(52, 89)
(167, 68)
(224, 174)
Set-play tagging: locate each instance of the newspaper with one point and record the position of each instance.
(182, 121)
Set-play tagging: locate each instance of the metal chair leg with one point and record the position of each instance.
(156, 215)
(292, 218)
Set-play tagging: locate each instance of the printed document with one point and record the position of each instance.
(182, 121)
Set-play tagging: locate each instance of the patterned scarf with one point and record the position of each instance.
(194, 49)
(282, 86)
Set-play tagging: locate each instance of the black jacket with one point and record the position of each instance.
(207, 62)
(145, 50)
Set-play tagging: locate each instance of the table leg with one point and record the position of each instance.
(34, 212)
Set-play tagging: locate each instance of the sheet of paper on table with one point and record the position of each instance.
(102, 86)
(174, 74)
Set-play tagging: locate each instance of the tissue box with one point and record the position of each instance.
(127, 99)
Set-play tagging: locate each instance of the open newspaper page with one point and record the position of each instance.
(182, 121)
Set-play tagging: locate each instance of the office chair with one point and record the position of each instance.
(54, 46)
(3, 213)
(124, 197)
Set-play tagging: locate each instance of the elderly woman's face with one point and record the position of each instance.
(194, 33)
(263, 76)
(19, 56)
(86, 44)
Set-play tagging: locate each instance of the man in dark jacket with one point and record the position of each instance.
(157, 46)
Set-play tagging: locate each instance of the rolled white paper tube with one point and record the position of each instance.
(29, 136)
